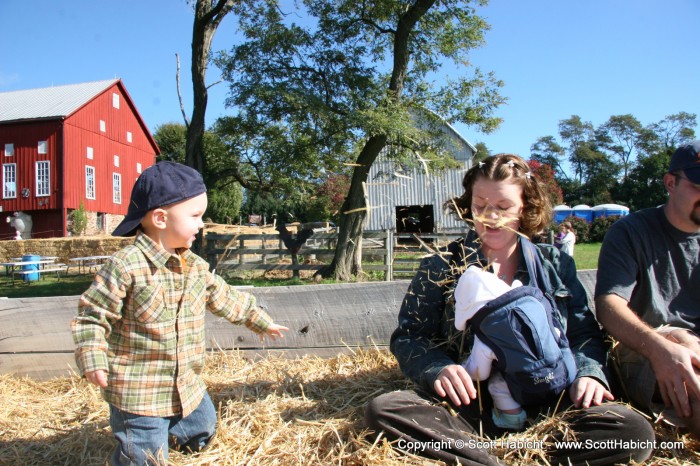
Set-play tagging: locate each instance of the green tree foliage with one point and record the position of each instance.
(578, 134)
(79, 221)
(482, 152)
(620, 161)
(225, 195)
(344, 82)
(620, 136)
(225, 202)
(644, 186)
(547, 150)
(671, 132)
(171, 139)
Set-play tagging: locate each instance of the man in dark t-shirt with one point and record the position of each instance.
(648, 296)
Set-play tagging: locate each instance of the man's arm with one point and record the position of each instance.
(673, 364)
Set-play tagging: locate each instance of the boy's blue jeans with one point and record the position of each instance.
(140, 439)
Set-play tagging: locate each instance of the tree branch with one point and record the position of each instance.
(179, 94)
(215, 83)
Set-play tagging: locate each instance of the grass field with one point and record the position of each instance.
(586, 256)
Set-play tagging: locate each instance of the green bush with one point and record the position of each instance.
(79, 221)
(600, 226)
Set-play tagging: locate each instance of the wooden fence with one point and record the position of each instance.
(323, 320)
(267, 252)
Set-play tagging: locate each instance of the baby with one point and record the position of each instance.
(475, 288)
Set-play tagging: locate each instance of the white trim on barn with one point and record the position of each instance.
(414, 197)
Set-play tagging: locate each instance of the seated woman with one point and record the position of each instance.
(502, 201)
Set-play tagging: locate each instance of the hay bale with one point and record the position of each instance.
(272, 411)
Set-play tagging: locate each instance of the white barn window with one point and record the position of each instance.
(43, 178)
(115, 100)
(89, 182)
(117, 188)
(42, 147)
(103, 126)
(9, 181)
(90, 153)
(138, 167)
(129, 137)
(116, 160)
(9, 150)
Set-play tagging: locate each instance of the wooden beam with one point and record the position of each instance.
(35, 337)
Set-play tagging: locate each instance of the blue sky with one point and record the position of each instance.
(593, 58)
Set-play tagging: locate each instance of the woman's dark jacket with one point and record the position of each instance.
(426, 339)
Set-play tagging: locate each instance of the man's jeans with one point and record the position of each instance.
(143, 440)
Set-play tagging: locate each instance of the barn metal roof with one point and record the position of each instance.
(49, 102)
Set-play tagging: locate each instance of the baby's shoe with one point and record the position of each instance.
(509, 421)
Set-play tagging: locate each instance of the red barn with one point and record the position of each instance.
(64, 146)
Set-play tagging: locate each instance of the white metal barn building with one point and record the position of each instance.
(411, 201)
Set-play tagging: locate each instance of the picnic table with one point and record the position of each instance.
(88, 262)
(44, 265)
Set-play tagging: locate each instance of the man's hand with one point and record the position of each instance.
(453, 381)
(98, 377)
(674, 366)
(587, 391)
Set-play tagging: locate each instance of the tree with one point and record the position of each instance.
(644, 186)
(330, 195)
(225, 201)
(547, 151)
(79, 220)
(207, 17)
(621, 136)
(225, 195)
(600, 176)
(350, 81)
(172, 141)
(482, 152)
(578, 134)
(671, 132)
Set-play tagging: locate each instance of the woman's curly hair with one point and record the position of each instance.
(537, 210)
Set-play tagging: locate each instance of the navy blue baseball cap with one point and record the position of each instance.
(160, 185)
(687, 158)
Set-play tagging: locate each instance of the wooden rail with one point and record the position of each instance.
(264, 251)
(325, 320)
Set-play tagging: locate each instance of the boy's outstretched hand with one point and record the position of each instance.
(273, 331)
(98, 377)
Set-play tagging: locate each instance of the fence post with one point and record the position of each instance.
(295, 261)
(211, 257)
(389, 257)
(264, 256)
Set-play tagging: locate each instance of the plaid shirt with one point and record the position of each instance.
(142, 321)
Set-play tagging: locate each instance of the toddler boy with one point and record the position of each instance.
(139, 331)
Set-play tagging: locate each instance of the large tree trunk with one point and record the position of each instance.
(348, 260)
(207, 17)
